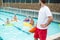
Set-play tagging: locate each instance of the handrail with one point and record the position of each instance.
(57, 13)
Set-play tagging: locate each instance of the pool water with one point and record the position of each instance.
(18, 31)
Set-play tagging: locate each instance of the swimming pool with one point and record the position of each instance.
(18, 31)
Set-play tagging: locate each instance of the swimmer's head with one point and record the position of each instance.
(7, 22)
(15, 16)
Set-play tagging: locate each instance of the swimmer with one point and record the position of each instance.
(26, 19)
(7, 22)
(31, 21)
(15, 18)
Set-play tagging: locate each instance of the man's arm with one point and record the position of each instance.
(50, 19)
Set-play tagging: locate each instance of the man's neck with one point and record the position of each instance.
(42, 5)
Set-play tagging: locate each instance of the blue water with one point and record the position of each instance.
(18, 31)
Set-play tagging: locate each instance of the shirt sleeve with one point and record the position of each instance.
(48, 12)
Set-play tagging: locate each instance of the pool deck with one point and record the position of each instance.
(53, 37)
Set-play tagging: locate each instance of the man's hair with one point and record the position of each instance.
(43, 1)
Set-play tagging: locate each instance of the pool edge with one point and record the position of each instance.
(53, 36)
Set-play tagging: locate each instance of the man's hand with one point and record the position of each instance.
(50, 19)
(43, 25)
